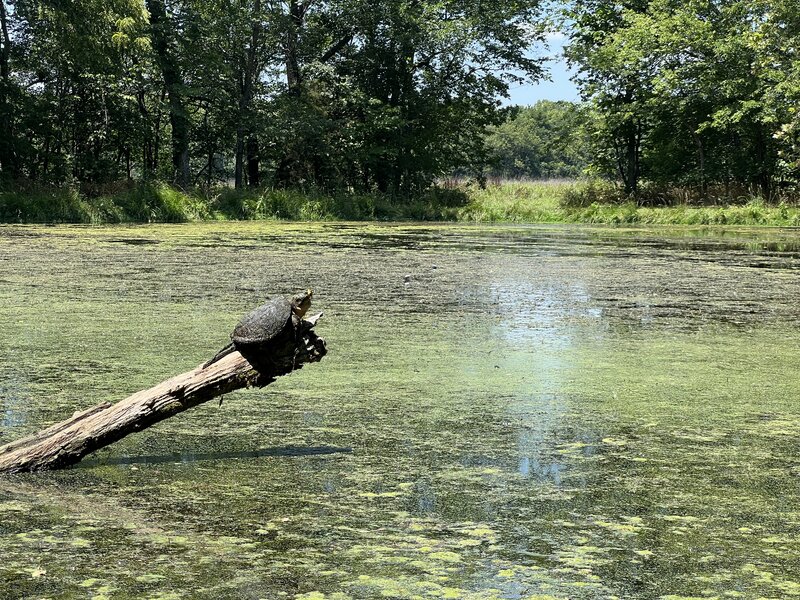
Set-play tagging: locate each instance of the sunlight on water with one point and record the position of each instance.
(505, 412)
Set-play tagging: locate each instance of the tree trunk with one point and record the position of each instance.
(293, 77)
(8, 162)
(5, 50)
(252, 70)
(66, 443)
(173, 81)
(148, 164)
(210, 166)
(627, 143)
(632, 159)
(627, 154)
(253, 162)
(701, 160)
(238, 169)
(763, 177)
(287, 170)
(157, 132)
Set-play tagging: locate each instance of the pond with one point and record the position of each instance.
(521, 412)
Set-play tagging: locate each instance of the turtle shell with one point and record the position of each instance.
(264, 324)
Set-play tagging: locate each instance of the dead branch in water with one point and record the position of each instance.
(66, 443)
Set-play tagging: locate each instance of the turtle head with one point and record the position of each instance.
(301, 303)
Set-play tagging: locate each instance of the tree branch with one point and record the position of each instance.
(336, 48)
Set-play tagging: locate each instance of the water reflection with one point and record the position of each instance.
(14, 403)
(550, 471)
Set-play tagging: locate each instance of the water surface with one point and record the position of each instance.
(505, 412)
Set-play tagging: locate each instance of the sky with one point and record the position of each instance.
(558, 88)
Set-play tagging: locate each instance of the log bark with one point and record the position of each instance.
(66, 443)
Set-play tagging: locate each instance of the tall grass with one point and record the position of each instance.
(499, 202)
(515, 202)
(145, 202)
(43, 205)
(602, 203)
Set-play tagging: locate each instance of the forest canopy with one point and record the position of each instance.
(549, 140)
(388, 97)
(695, 93)
(337, 93)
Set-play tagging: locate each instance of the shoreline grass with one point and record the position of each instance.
(504, 202)
(592, 203)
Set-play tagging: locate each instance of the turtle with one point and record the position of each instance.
(268, 324)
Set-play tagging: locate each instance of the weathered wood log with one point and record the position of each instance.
(66, 443)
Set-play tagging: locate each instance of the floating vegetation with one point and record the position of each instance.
(556, 413)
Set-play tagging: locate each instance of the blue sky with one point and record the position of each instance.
(559, 88)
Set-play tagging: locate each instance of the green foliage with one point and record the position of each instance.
(69, 93)
(523, 202)
(159, 203)
(318, 205)
(592, 201)
(348, 100)
(692, 93)
(600, 202)
(33, 204)
(332, 95)
(546, 140)
(593, 192)
(145, 203)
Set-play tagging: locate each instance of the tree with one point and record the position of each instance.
(614, 79)
(70, 114)
(250, 71)
(548, 139)
(8, 162)
(775, 41)
(162, 28)
(689, 93)
(340, 94)
(413, 85)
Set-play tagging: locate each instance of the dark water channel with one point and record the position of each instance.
(505, 412)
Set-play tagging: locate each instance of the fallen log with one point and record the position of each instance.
(66, 443)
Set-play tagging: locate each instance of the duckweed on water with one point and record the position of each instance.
(533, 413)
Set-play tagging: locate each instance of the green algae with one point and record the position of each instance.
(532, 413)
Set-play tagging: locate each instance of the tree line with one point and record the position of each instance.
(700, 95)
(334, 93)
(388, 96)
(694, 93)
(548, 140)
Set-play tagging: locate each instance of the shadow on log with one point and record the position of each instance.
(66, 443)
